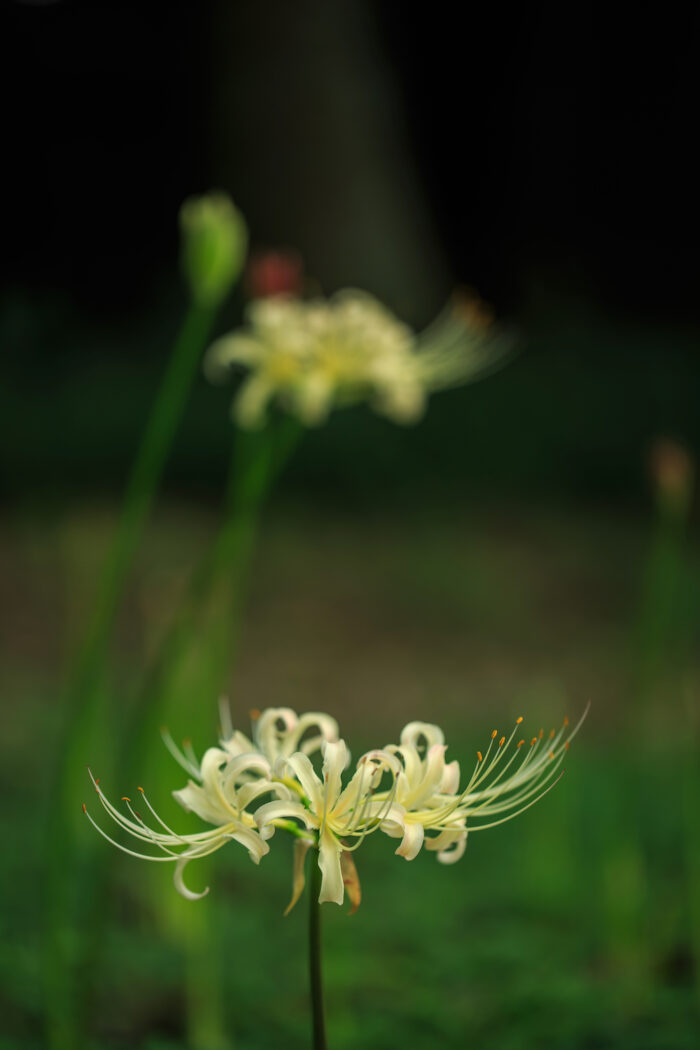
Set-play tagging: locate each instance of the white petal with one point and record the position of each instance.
(411, 733)
(328, 731)
(189, 895)
(253, 842)
(335, 758)
(411, 842)
(305, 773)
(450, 779)
(453, 853)
(268, 736)
(195, 799)
(283, 810)
(329, 851)
(250, 404)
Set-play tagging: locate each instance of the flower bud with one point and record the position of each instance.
(214, 243)
(672, 473)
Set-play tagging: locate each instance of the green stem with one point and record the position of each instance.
(141, 487)
(70, 909)
(315, 969)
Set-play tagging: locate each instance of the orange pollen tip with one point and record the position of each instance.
(84, 808)
(551, 754)
(494, 734)
(533, 741)
(552, 734)
(480, 756)
(567, 745)
(125, 798)
(541, 733)
(566, 721)
(141, 790)
(518, 720)
(187, 742)
(502, 741)
(254, 714)
(520, 743)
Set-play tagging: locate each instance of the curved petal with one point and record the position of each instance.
(250, 403)
(253, 842)
(230, 350)
(455, 851)
(189, 895)
(283, 810)
(411, 734)
(394, 823)
(411, 842)
(243, 764)
(252, 791)
(269, 738)
(327, 725)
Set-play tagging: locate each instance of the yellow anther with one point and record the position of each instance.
(187, 742)
(494, 734)
(567, 745)
(533, 741)
(551, 754)
(480, 756)
(84, 808)
(520, 743)
(125, 798)
(541, 733)
(552, 734)
(502, 741)
(254, 714)
(566, 721)
(518, 720)
(141, 790)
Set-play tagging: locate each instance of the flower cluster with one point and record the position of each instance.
(248, 788)
(310, 356)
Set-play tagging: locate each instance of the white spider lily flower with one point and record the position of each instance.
(506, 781)
(218, 792)
(313, 356)
(174, 847)
(336, 818)
(425, 782)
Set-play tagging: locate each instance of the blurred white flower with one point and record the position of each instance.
(311, 356)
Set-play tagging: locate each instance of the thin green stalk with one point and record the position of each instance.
(193, 664)
(318, 1024)
(71, 897)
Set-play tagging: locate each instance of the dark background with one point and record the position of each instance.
(543, 156)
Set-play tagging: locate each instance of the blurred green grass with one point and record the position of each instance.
(570, 927)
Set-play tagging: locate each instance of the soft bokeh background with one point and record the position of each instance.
(511, 555)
